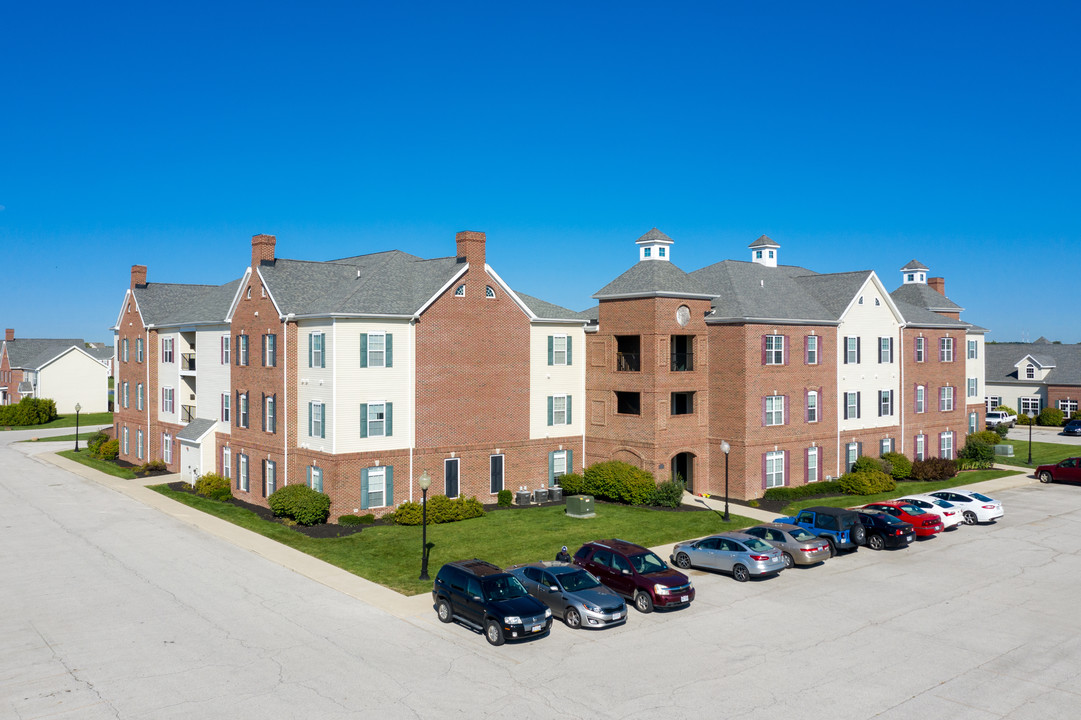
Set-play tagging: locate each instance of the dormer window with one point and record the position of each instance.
(459, 291)
(758, 254)
(648, 252)
(911, 277)
(1030, 372)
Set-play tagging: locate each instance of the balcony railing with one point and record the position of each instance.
(187, 413)
(187, 362)
(628, 362)
(682, 362)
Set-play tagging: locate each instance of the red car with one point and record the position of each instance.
(924, 523)
(1067, 471)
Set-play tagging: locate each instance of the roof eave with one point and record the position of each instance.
(731, 320)
(657, 293)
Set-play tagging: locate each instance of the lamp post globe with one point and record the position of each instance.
(726, 448)
(425, 482)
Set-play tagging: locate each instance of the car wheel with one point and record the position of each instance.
(444, 611)
(788, 561)
(683, 560)
(833, 548)
(1045, 477)
(970, 517)
(643, 602)
(494, 633)
(739, 572)
(572, 618)
(859, 534)
(875, 541)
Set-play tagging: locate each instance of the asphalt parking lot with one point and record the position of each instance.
(111, 609)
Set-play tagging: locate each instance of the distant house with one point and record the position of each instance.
(1032, 376)
(60, 369)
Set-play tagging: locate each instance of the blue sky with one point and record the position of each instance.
(857, 135)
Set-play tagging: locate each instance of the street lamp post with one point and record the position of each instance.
(78, 407)
(425, 482)
(1031, 421)
(725, 447)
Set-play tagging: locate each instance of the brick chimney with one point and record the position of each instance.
(138, 275)
(471, 247)
(262, 248)
(9, 334)
(938, 284)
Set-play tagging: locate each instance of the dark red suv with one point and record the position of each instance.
(636, 573)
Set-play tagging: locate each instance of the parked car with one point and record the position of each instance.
(635, 573)
(1067, 471)
(924, 524)
(951, 515)
(1073, 427)
(885, 531)
(841, 528)
(975, 507)
(482, 596)
(797, 546)
(1000, 417)
(572, 594)
(741, 555)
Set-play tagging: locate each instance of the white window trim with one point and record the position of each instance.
(227, 462)
(945, 398)
(383, 352)
(382, 423)
(811, 355)
(812, 406)
(381, 472)
(945, 445)
(777, 413)
(243, 473)
(557, 457)
(556, 351)
(556, 411)
(775, 349)
(812, 465)
(775, 458)
(168, 399)
(921, 349)
(167, 448)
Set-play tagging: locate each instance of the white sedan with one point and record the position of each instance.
(952, 517)
(975, 507)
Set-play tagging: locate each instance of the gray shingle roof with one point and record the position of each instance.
(746, 290)
(914, 265)
(654, 235)
(101, 352)
(921, 317)
(546, 310)
(32, 353)
(1002, 357)
(925, 297)
(649, 278)
(165, 304)
(196, 429)
(763, 241)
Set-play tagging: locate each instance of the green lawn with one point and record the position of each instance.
(103, 465)
(390, 554)
(63, 438)
(87, 419)
(1043, 453)
(915, 487)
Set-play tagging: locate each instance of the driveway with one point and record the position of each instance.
(1043, 434)
(112, 609)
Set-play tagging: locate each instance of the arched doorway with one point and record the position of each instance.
(683, 467)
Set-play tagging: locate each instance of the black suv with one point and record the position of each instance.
(635, 573)
(484, 597)
(884, 530)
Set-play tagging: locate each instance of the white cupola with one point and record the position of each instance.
(654, 245)
(764, 251)
(914, 273)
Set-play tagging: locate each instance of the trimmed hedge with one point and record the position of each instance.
(934, 469)
(213, 486)
(668, 494)
(349, 520)
(621, 482)
(1001, 430)
(899, 466)
(29, 411)
(573, 484)
(503, 498)
(109, 450)
(1051, 416)
(989, 437)
(866, 482)
(441, 509)
(798, 492)
(96, 441)
(977, 450)
(866, 463)
(300, 503)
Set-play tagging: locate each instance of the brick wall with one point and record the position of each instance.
(933, 374)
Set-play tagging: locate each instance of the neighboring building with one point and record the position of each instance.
(1029, 377)
(799, 372)
(60, 369)
(354, 376)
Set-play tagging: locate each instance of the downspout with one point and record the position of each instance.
(285, 392)
(901, 389)
(413, 399)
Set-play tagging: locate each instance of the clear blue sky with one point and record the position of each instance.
(857, 135)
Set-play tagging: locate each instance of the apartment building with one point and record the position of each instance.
(1030, 377)
(65, 370)
(798, 373)
(354, 376)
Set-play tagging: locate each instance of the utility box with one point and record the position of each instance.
(580, 506)
(1005, 450)
(523, 497)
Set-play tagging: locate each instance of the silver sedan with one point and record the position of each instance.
(572, 593)
(741, 555)
(799, 546)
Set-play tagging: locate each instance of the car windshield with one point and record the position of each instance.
(889, 519)
(503, 587)
(981, 498)
(912, 509)
(755, 544)
(944, 504)
(647, 563)
(801, 535)
(577, 580)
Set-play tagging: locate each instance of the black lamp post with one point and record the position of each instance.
(425, 482)
(78, 407)
(1031, 421)
(726, 448)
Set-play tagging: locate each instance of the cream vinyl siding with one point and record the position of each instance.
(547, 380)
(213, 378)
(869, 322)
(313, 384)
(168, 376)
(1011, 394)
(76, 378)
(357, 385)
(976, 369)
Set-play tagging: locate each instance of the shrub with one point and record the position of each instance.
(96, 441)
(1075, 415)
(900, 467)
(1001, 430)
(866, 482)
(572, 484)
(866, 463)
(1051, 416)
(1025, 420)
(798, 492)
(350, 520)
(1007, 409)
(933, 469)
(29, 411)
(300, 503)
(503, 498)
(441, 509)
(109, 450)
(668, 494)
(620, 481)
(213, 486)
(976, 450)
(989, 437)
(965, 464)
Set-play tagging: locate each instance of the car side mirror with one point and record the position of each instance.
(553, 588)
(477, 598)
(625, 571)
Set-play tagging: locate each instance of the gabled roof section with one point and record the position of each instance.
(1002, 361)
(914, 266)
(653, 279)
(196, 430)
(66, 351)
(1043, 362)
(764, 241)
(750, 292)
(32, 353)
(166, 304)
(925, 296)
(916, 316)
(548, 311)
(654, 235)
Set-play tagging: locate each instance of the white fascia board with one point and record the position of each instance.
(62, 354)
(506, 288)
(1034, 361)
(561, 321)
(457, 276)
(658, 293)
(120, 318)
(768, 321)
(269, 293)
(872, 278)
(332, 315)
(239, 293)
